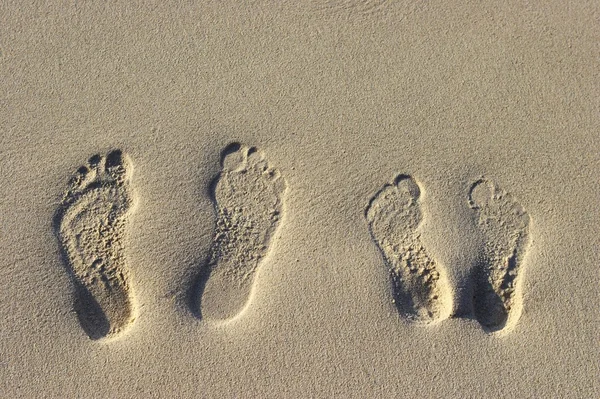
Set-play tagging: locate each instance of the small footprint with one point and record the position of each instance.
(504, 226)
(419, 287)
(90, 225)
(248, 196)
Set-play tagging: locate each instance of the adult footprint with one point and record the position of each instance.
(504, 226)
(248, 196)
(419, 287)
(90, 225)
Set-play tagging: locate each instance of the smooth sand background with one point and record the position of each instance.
(341, 96)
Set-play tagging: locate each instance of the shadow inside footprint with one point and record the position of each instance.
(89, 313)
(196, 289)
(488, 305)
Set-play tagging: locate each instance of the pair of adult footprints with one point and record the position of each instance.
(91, 222)
(248, 194)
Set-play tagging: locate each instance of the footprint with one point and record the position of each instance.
(90, 225)
(419, 287)
(248, 196)
(504, 226)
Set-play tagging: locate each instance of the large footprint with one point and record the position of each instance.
(504, 226)
(248, 196)
(90, 225)
(419, 287)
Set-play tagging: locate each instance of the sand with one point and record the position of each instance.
(321, 199)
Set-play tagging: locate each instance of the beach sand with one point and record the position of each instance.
(322, 199)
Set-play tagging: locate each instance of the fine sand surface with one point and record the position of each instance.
(342, 198)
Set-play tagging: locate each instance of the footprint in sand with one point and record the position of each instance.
(419, 287)
(90, 225)
(504, 226)
(248, 196)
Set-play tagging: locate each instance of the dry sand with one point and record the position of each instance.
(324, 199)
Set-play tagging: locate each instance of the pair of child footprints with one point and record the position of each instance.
(420, 286)
(248, 195)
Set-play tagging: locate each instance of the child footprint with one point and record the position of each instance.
(248, 196)
(419, 287)
(504, 226)
(90, 225)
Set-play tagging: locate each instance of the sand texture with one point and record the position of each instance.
(313, 199)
